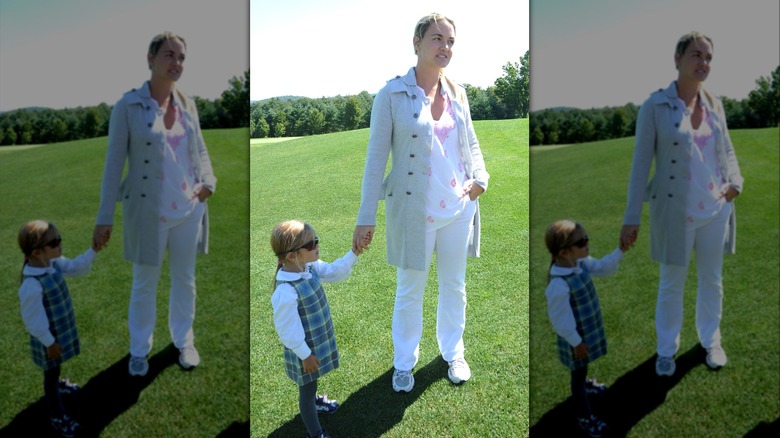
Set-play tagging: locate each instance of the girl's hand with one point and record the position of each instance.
(202, 193)
(311, 364)
(581, 351)
(54, 351)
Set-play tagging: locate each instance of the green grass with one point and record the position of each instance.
(588, 183)
(317, 179)
(61, 183)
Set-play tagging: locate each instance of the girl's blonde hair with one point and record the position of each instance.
(35, 235)
(287, 237)
(560, 235)
(425, 22)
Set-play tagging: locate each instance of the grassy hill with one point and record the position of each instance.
(588, 183)
(61, 183)
(317, 179)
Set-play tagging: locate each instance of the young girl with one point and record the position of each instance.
(47, 312)
(302, 314)
(574, 311)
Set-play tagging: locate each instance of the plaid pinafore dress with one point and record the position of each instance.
(587, 313)
(314, 311)
(62, 319)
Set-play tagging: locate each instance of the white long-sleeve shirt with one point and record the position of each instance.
(31, 292)
(285, 300)
(558, 306)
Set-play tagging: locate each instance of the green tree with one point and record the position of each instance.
(513, 87)
(352, 114)
(235, 102)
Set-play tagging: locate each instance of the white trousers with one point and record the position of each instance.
(451, 244)
(707, 238)
(181, 240)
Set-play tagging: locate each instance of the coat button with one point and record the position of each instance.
(150, 125)
(143, 195)
(411, 173)
(146, 161)
(675, 143)
(674, 161)
(146, 177)
(670, 195)
(408, 193)
(676, 125)
(674, 107)
(148, 143)
(671, 177)
(411, 155)
(416, 115)
(414, 96)
(414, 135)
(148, 107)
(397, 77)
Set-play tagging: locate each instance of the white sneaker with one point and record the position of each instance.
(716, 357)
(664, 366)
(403, 381)
(189, 357)
(138, 366)
(459, 371)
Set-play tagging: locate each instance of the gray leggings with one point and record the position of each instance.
(306, 395)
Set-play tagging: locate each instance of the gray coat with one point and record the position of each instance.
(658, 138)
(396, 129)
(132, 138)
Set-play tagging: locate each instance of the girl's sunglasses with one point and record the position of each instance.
(582, 243)
(57, 241)
(309, 246)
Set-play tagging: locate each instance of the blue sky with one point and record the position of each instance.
(610, 52)
(59, 54)
(316, 48)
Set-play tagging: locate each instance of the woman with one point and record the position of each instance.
(155, 128)
(430, 194)
(683, 128)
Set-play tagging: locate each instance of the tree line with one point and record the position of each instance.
(45, 125)
(761, 109)
(289, 116)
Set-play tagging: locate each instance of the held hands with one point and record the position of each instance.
(100, 236)
(581, 351)
(311, 364)
(362, 238)
(628, 236)
(53, 351)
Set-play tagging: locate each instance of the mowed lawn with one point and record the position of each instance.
(588, 183)
(61, 183)
(317, 179)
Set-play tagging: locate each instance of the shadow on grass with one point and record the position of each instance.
(764, 429)
(632, 397)
(98, 402)
(374, 409)
(236, 429)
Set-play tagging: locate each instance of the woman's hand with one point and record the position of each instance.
(730, 193)
(473, 190)
(362, 237)
(202, 193)
(311, 364)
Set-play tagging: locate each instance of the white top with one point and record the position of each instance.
(31, 292)
(285, 300)
(177, 199)
(705, 179)
(558, 306)
(444, 199)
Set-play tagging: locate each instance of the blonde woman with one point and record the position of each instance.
(683, 129)
(422, 119)
(155, 129)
